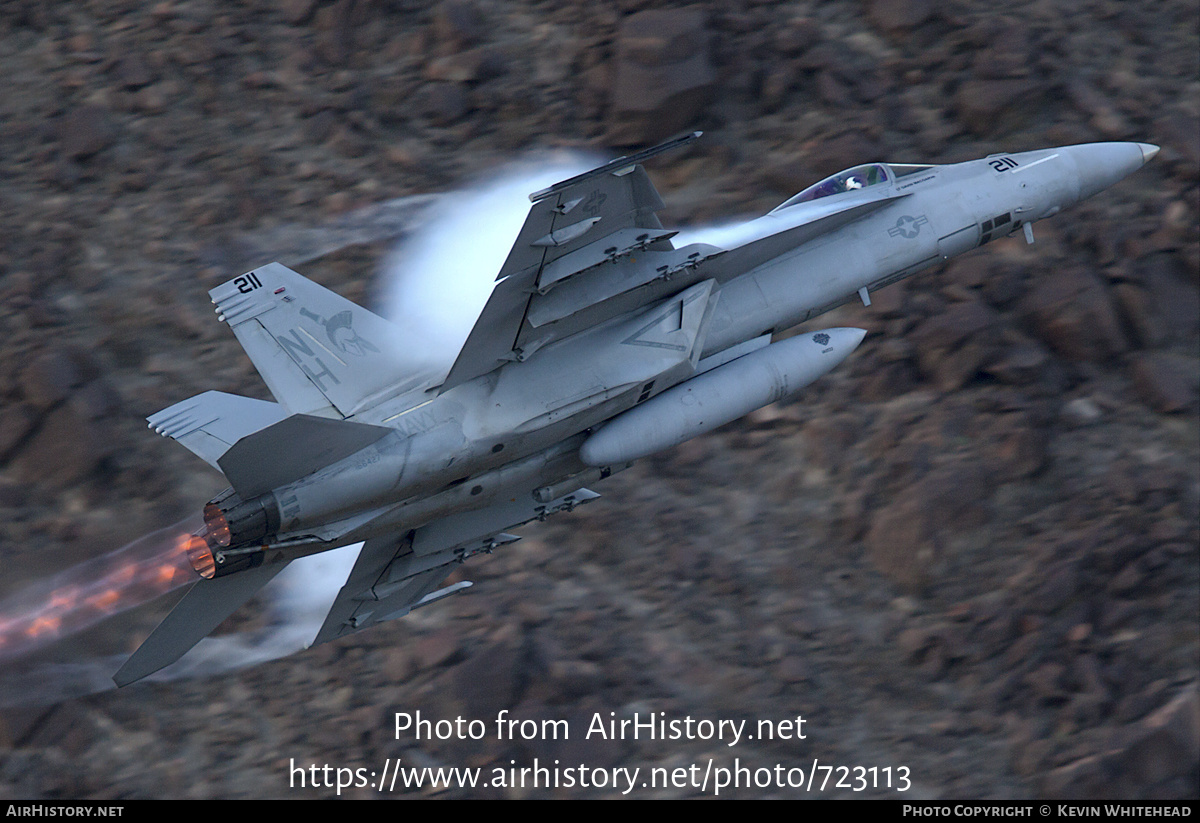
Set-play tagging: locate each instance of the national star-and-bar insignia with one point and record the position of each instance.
(908, 226)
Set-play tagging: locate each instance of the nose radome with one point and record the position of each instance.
(1148, 151)
(1100, 165)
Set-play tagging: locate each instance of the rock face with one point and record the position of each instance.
(1157, 753)
(663, 75)
(970, 552)
(1168, 382)
(1073, 313)
(85, 131)
(899, 15)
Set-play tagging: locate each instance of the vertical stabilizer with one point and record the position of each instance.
(318, 352)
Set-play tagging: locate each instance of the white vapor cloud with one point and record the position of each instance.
(436, 282)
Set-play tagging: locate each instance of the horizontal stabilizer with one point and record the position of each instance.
(291, 449)
(210, 423)
(202, 609)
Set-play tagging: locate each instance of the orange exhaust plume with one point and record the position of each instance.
(216, 527)
(107, 600)
(62, 600)
(201, 557)
(42, 625)
(95, 589)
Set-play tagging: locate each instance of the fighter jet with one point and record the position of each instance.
(601, 343)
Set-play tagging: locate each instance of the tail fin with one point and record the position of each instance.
(317, 352)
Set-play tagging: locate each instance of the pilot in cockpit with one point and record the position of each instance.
(859, 177)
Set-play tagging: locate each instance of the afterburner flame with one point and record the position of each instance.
(216, 528)
(200, 555)
(96, 589)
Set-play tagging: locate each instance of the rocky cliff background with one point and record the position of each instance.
(973, 551)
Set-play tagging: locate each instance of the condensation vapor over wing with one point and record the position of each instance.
(728, 235)
(437, 280)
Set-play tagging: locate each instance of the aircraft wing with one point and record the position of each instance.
(591, 248)
(399, 573)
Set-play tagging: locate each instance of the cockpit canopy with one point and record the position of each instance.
(859, 177)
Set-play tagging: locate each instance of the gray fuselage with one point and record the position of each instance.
(515, 425)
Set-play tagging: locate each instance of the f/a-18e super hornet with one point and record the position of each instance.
(601, 343)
